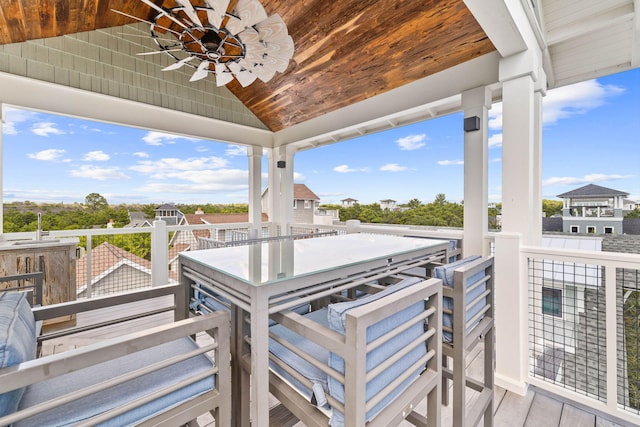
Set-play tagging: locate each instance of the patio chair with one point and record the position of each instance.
(159, 376)
(468, 283)
(368, 361)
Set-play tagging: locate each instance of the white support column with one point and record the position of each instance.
(286, 189)
(273, 193)
(511, 314)
(521, 213)
(476, 103)
(536, 231)
(517, 157)
(255, 190)
(159, 254)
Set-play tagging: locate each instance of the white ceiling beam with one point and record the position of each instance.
(23, 92)
(500, 25)
(407, 104)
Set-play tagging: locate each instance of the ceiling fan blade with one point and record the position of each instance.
(190, 11)
(178, 64)
(247, 13)
(216, 11)
(244, 76)
(223, 75)
(201, 72)
(271, 28)
(165, 13)
(280, 48)
(146, 22)
(158, 51)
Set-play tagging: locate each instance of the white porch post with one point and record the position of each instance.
(476, 103)
(273, 193)
(520, 222)
(159, 254)
(286, 189)
(255, 189)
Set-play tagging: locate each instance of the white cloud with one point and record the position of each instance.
(565, 102)
(393, 167)
(98, 173)
(236, 150)
(159, 187)
(412, 142)
(46, 129)
(298, 177)
(495, 140)
(50, 155)
(163, 168)
(587, 179)
(141, 154)
(450, 162)
(96, 156)
(202, 149)
(160, 138)
(347, 169)
(13, 117)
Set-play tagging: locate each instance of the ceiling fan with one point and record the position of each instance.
(244, 44)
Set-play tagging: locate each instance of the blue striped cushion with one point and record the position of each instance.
(17, 341)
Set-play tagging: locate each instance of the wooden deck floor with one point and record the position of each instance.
(535, 409)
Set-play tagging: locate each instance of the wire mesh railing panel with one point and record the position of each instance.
(567, 330)
(113, 263)
(628, 337)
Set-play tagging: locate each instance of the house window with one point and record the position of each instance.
(307, 204)
(591, 230)
(552, 302)
(608, 230)
(575, 228)
(294, 203)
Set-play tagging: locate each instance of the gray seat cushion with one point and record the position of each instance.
(17, 341)
(114, 397)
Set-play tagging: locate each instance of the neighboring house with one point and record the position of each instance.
(593, 209)
(112, 270)
(137, 219)
(190, 237)
(388, 204)
(305, 203)
(346, 203)
(169, 213)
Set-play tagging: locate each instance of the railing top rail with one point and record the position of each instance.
(588, 257)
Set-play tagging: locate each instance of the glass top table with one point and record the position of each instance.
(267, 277)
(265, 263)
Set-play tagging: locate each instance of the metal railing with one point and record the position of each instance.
(584, 327)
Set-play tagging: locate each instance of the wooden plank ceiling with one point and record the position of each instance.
(345, 51)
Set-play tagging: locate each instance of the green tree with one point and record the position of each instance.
(441, 199)
(96, 201)
(414, 203)
(633, 214)
(551, 207)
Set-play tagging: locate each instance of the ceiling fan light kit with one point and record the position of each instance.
(244, 44)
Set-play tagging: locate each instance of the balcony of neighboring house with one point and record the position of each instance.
(579, 319)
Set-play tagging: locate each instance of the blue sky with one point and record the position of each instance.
(591, 134)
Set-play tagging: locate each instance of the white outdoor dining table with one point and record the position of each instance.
(267, 277)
